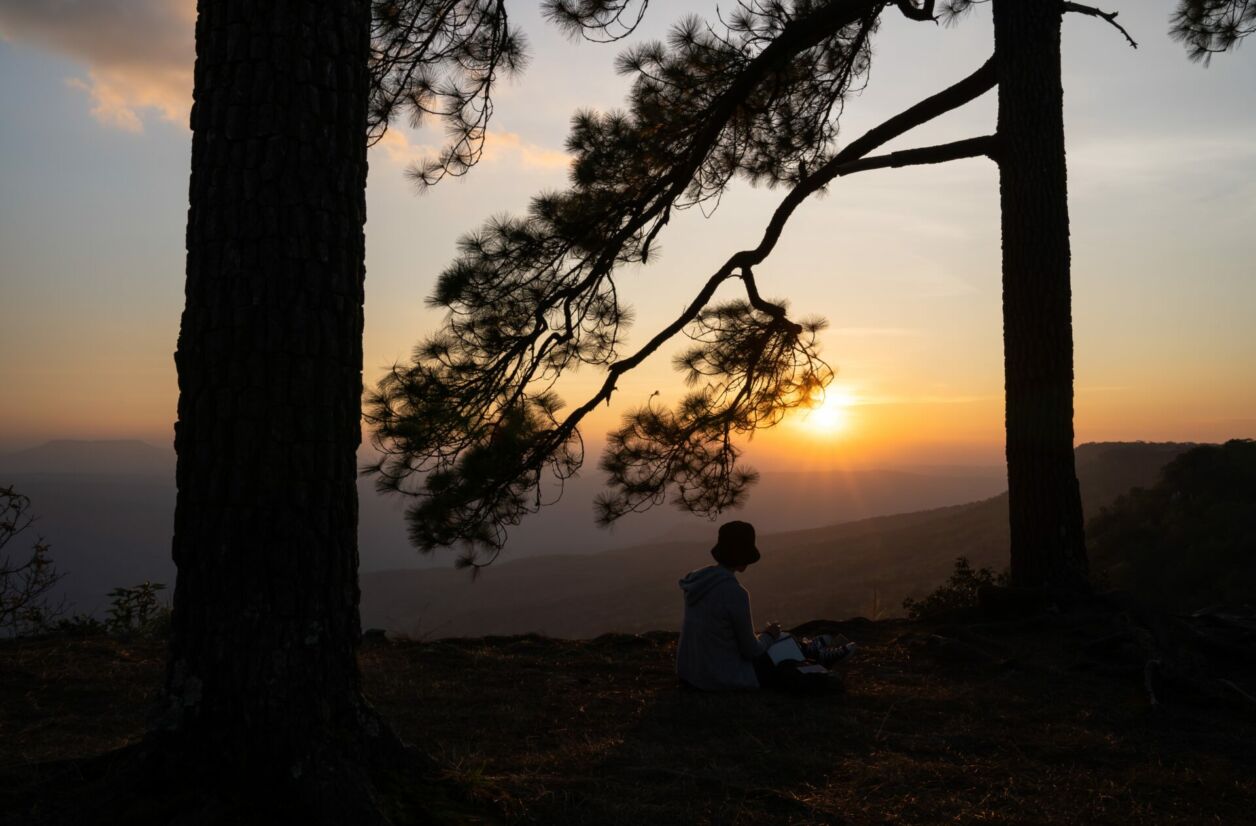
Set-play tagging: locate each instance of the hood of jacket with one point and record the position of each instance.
(697, 584)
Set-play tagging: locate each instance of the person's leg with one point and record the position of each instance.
(765, 671)
(827, 655)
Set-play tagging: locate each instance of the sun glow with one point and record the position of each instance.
(831, 414)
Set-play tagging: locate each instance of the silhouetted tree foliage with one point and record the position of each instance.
(1189, 540)
(475, 414)
(27, 577)
(440, 60)
(472, 425)
(1209, 27)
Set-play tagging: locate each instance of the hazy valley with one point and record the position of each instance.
(835, 544)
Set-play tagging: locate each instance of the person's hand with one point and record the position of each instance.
(773, 630)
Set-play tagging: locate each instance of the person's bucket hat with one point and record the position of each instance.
(736, 545)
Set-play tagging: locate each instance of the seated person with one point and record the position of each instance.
(718, 646)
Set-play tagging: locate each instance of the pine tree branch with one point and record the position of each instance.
(953, 97)
(1209, 27)
(475, 508)
(761, 304)
(654, 204)
(797, 36)
(1109, 16)
(967, 148)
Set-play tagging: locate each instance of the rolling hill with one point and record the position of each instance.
(107, 509)
(864, 567)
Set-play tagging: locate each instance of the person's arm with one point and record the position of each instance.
(748, 644)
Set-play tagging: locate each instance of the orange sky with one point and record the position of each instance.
(903, 263)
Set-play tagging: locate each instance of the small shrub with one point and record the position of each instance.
(959, 592)
(78, 625)
(136, 611)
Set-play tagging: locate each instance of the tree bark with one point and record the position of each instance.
(1048, 544)
(263, 677)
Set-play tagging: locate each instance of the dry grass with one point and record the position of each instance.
(550, 731)
(67, 698)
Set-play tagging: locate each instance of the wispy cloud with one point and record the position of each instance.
(500, 147)
(400, 150)
(138, 54)
(510, 147)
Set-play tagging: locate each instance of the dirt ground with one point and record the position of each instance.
(927, 727)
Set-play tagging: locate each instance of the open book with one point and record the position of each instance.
(826, 649)
(784, 648)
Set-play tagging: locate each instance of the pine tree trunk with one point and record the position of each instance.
(1048, 544)
(262, 672)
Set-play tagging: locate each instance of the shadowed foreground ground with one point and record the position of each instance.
(530, 729)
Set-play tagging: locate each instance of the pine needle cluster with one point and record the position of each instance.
(1209, 27)
(440, 59)
(470, 425)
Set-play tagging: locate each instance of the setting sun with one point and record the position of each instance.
(832, 412)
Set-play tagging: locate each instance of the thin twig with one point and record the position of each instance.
(1109, 16)
(1231, 685)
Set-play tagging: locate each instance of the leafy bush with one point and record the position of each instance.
(26, 581)
(136, 611)
(78, 625)
(1189, 540)
(959, 592)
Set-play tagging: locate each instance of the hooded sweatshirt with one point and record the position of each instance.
(717, 640)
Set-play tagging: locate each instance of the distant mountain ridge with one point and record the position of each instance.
(831, 572)
(80, 456)
(107, 508)
(865, 567)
